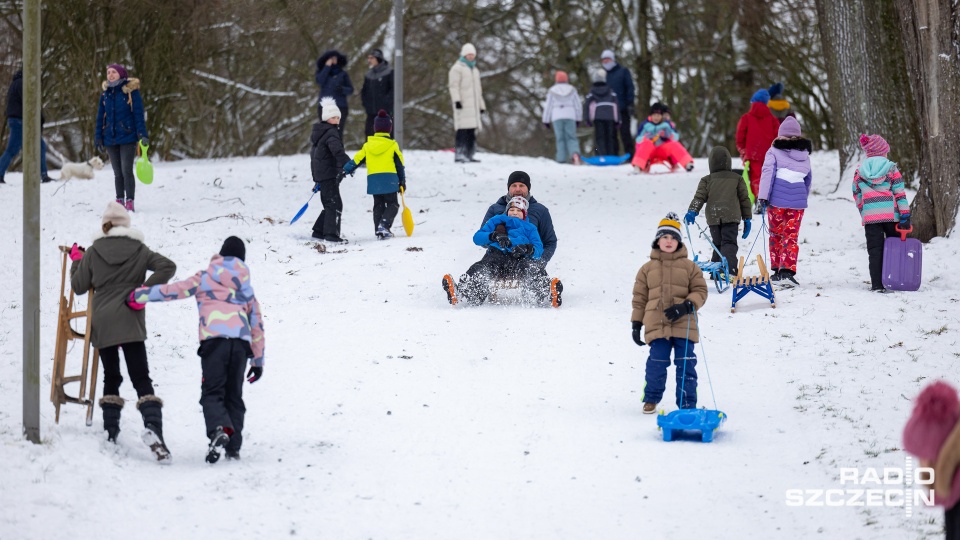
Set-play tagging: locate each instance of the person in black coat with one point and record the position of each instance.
(377, 91)
(620, 80)
(15, 122)
(334, 82)
(327, 159)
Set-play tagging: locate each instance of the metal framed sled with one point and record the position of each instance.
(719, 271)
(742, 285)
(65, 335)
(673, 425)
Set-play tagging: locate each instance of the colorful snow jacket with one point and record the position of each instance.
(385, 169)
(563, 103)
(120, 114)
(116, 264)
(722, 191)
(878, 191)
(538, 215)
(756, 131)
(658, 133)
(225, 299)
(519, 230)
(786, 175)
(668, 279)
(601, 104)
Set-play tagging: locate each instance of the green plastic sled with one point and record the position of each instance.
(143, 166)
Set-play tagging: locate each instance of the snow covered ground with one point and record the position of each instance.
(386, 413)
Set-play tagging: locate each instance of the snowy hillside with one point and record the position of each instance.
(386, 413)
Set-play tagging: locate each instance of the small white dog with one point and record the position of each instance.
(81, 170)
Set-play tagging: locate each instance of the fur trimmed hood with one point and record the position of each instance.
(127, 232)
(131, 85)
(793, 143)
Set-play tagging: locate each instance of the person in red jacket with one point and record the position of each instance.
(756, 131)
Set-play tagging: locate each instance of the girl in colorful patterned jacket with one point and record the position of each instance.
(878, 192)
(231, 331)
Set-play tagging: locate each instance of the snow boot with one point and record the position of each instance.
(232, 454)
(555, 289)
(576, 159)
(789, 276)
(44, 178)
(450, 288)
(151, 409)
(689, 167)
(218, 439)
(383, 232)
(129, 205)
(334, 239)
(111, 405)
(649, 408)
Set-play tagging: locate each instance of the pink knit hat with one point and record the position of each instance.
(561, 77)
(935, 413)
(874, 145)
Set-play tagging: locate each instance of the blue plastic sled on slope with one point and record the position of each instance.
(606, 160)
(705, 421)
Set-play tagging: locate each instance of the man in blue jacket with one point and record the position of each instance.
(620, 81)
(518, 185)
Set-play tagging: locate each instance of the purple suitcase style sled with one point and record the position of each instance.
(902, 262)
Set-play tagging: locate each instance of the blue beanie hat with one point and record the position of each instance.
(776, 90)
(762, 96)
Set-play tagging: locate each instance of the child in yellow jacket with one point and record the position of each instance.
(385, 173)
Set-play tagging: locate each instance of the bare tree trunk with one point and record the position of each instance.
(866, 71)
(931, 37)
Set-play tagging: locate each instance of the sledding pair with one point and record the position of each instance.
(329, 164)
(231, 328)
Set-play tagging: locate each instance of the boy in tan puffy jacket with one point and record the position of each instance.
(667, 292)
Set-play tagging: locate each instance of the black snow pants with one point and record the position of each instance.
(221, 391)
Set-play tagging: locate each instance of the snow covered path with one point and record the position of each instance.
(385, 413)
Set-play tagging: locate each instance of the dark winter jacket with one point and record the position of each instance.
(334, 81)
(722, 191)
(620, 82)
(327, 157)
(538, 216)
(377, 91)
(120, 114)
(601, 104)
(668, 279)
(519, 230)
(756, 131)
(114, 266)
(15, 96)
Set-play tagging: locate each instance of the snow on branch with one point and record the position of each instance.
(242, 86)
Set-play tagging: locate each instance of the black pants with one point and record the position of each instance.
(385, 208)
(368, 126)
(135, 354)
(725, 238)
(465, 144)
(122, 157)
(474, 285)
(221, 392)
(329, 221)
(606, 134)
(626, 137)
(951, 519)
(876, 233)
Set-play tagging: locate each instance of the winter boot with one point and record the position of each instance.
(576, 159)
(232, 454)
(44, 178)
(334, 239)
(383, 232)
(649, 408)
(120, 201)
(555, 289)
(450, 289)
(689, 166)
(789, 276)
(151, 409)
(111, 405)
(776, 276)
(129, 205)
(218, 439)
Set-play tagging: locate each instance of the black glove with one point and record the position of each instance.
(316, 187)
(403, 184)
(502, 239)
(254, 374)
(457, 105)
(521, 250)
(905, 221)
(99, 146)
(144, 141)
(676, 311)
(340, 176)
(638, 333)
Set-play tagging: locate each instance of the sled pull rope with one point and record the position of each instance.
(703, 352)
(764, 231)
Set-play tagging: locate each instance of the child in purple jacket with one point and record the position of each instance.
(784, 188)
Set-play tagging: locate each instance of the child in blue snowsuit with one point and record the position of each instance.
(512, 244)
(667, 291)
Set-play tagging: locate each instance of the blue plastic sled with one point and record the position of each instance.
(705, 421)
(606, 160)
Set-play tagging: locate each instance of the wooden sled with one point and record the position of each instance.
(758, 284)
(66, 334)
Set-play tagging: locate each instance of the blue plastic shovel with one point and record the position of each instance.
(302, 210)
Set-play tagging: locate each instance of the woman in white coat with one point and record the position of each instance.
(468, 105)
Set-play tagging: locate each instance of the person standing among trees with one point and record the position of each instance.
(15, 121)
(334, 81)
(377, 91)
(120, 124)
(468, 105)
(620, 81)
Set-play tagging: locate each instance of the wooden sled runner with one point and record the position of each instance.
(66, 334)
(758, 284)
